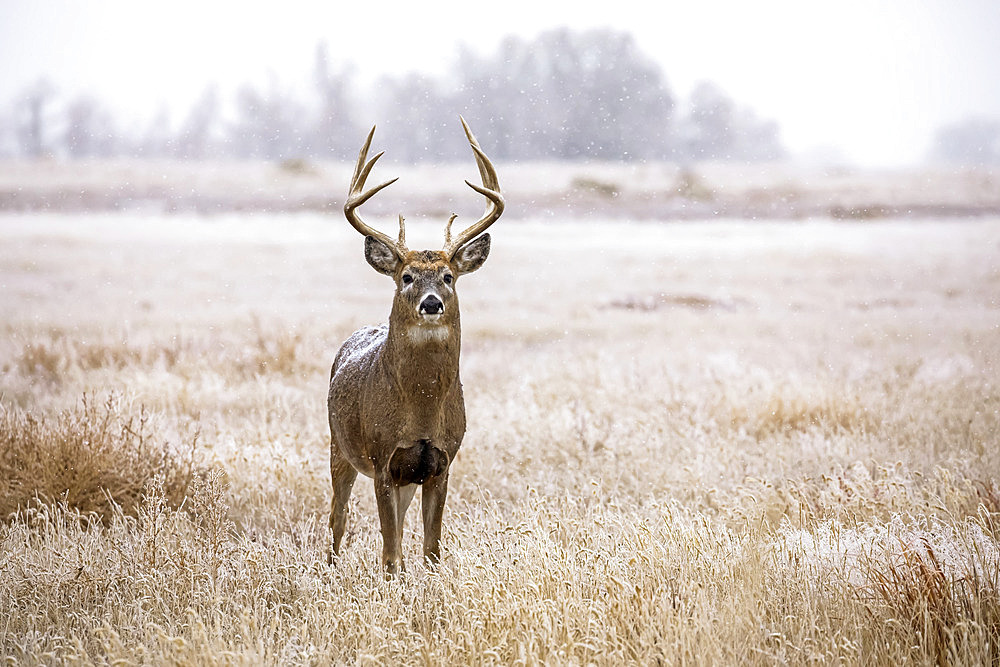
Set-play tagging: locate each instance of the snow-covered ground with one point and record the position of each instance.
(646, 191)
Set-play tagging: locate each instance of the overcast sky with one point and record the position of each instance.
(871, 79)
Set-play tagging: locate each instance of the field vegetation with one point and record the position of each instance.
(689, 443)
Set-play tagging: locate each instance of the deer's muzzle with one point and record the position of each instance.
(431, 305)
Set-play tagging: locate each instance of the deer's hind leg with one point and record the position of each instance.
(343, 475)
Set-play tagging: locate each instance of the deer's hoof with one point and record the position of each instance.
(392, 567)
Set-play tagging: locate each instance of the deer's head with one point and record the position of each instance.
(426, 279)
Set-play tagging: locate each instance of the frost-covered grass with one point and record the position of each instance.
(716, 443)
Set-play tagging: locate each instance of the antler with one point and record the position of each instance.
(358, 196)
(490, 189)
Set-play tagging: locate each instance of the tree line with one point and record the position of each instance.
(564, 95)
(972, 141)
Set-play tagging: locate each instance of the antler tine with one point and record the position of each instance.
(490, 189)
(484, 172)
(358, 196)
(362, 156)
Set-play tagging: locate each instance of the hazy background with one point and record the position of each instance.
(870, 83)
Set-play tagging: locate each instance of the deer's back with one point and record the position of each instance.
(358, 349)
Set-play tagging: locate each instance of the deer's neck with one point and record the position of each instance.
(423, 362)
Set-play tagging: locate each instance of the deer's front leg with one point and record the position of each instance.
(387, 499)
(404, 494)
(433, 495)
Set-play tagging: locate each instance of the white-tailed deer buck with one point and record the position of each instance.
(397, 413)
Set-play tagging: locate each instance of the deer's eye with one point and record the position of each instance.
(448, 278)
(407, 279)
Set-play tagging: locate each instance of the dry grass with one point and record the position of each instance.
(955, 617)
(94, 459)
(708, 444)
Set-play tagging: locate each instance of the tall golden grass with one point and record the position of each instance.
(93, 459)
(787, 454)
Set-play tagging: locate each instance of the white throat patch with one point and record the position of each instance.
(427, 334)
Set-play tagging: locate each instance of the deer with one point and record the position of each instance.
(396, 408)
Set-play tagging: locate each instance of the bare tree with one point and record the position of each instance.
(706, 133)
(268, 124)
(756, 140)
(715, 128)
(89, 129)
(157, 140)
(334, 125)
(32, 124)
(568, 94)
(8, 142)
(413, 105)
(197, 135)
(974, 141)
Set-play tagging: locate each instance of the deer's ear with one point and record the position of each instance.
(472, 255)
(380, 256)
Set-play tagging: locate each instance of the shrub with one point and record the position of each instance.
(90, 457)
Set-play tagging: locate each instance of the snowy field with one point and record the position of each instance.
(597, 191)
(725, 442)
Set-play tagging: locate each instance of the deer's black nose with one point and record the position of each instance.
(431, 305)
